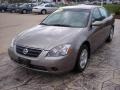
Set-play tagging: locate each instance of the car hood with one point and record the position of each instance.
(46, 37)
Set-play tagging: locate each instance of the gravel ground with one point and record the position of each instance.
(102, 73)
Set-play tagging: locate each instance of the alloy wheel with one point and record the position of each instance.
(83, 58)
(43, 12)
(24, 11)
(3, 10)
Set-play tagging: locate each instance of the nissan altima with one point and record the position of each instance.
(64, 40)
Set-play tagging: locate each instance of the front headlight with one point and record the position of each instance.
(61, 50)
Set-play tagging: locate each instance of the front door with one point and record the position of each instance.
(97, 32)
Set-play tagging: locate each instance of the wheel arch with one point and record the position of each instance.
(88, 45)
(42, 10)
(23, 10)
(89, 51)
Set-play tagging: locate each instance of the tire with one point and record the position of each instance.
(82, 59)
(2, 10)
(24, 11)
(110, 37)
(43, 12)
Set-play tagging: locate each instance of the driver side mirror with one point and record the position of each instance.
(97, 23)
(99, 19)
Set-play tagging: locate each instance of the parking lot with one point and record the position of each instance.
(102, 73)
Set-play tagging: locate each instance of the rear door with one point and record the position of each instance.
(48, 8)
(30, 6)
(108, 21)
(97, 36)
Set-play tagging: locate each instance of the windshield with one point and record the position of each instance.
(42, 4)
(68, 18)
(23, 5)
(11, 5)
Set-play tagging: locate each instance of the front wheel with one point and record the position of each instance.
(43, 12)
(82, 58)
(24, 11)
(2, 10)
(109, 39)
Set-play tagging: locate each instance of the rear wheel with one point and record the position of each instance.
(24, 11)
(43, 12)
(109, 39)
(82, 58)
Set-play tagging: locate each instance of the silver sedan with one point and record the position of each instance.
(64, 40)
(44, 8)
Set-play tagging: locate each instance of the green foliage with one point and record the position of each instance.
(113, 8)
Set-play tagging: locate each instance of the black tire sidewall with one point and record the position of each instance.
(2, 10)
(42, 12)
(78, 67)
(24, 12)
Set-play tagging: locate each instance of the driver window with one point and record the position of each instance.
(29, 5)
(96, 15)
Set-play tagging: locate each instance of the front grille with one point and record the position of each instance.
(30, 51)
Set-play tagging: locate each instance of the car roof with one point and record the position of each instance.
(81, 6)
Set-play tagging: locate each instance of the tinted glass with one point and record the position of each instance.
(48, 5)
(70, 18)
(103, 12)
(52, 5)
(96, 15)
(42, 4)
(29, 5)
(23, 5)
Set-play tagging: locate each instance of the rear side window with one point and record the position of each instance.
(103, 12)
(29, 5)
(96, 14)
(52, 5)
(48, 5)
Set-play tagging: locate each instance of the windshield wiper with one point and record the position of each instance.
(61, 25)
(56, 25)
(43, 24)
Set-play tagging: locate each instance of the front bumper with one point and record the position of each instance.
(45, 64)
